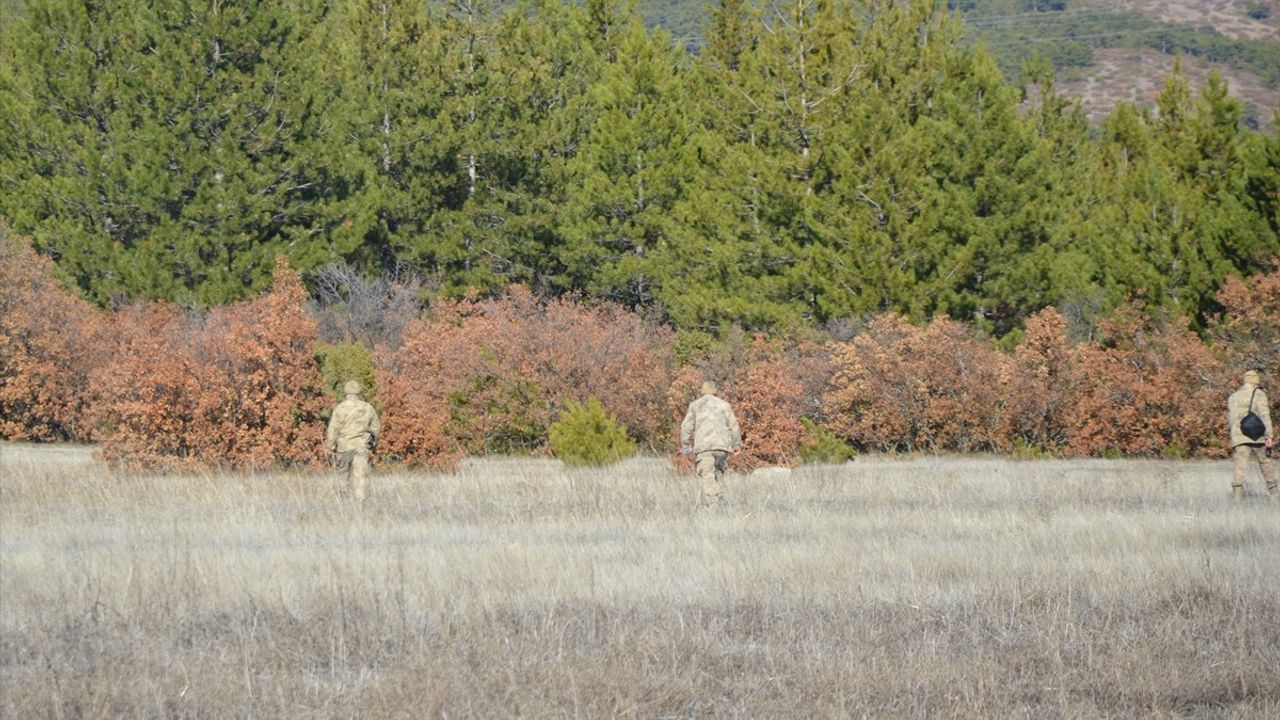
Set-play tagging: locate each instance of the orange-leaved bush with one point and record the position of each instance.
(238, 388)
(1147, 388)
(765, 383)
(490, 375)
(143, 396)
(50, 341)
(1041, 386)
(1248, 333)
(902, 387)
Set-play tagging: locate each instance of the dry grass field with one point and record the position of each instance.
(883, 588)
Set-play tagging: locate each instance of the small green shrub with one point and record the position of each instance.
(589, 435)
(493, 414)
(822, 446)
(347, 361)
(1028, 450)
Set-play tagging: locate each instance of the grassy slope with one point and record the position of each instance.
(947, 588)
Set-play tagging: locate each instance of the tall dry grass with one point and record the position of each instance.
(921, 588)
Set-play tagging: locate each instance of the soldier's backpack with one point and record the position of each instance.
(1251, 425)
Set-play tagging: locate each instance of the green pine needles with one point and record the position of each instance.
(821, 446)
(171, 150)
(345, 361)
(587, 434)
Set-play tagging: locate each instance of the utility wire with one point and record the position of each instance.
(997, 21)
(1094, 36)
(1119, 7)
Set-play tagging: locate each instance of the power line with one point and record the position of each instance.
(1094, 36)
(1116, 7)
(998, 20)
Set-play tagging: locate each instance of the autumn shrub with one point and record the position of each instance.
(1041, 382)
(50, 342)
(498, 414)
(413, 424)
(1147, 387)
(902, 387)
(763, 380)
(1248, 332)
(587, 434)
(144, 396)
(236, 388)
(490, 375)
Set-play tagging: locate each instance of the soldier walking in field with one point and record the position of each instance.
(353, 431)
(1249, 420)
(710, 434)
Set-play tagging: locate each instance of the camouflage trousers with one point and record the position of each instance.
(711, 465)
(355, 464)
(1244, 455)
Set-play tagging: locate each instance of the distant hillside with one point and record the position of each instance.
(1104, 51)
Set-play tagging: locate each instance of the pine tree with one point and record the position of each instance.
(515, 109)
(724, 258)
(1175, 218)
(629, 173)
(1263, 184)
(537, 119)
(391, 59)
(178, 149)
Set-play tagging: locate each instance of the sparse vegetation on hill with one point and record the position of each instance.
(1068, 34)
(1068, 40)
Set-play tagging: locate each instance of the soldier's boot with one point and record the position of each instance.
(1237, 494)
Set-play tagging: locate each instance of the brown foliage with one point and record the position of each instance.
(1147, 388)
(491, 375)
(1143, 388)
(240, 389)
(902, 387)
(50, 340)
(143, 395)
(770, 387)
(1042, 381)
(1249, 333)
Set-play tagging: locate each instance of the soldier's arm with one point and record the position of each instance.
(331, 434)
(735, 433)
(375, 427)
(686, 429)
(1235, 410)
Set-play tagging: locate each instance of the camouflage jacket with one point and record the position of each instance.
(1238, 407)
(354, 426)
(710, 425)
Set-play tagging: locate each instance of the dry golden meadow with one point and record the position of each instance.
(925, 587)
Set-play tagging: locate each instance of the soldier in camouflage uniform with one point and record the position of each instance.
(710, 434)
(1244, 449)
(353, 430)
